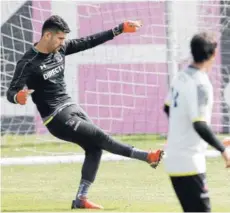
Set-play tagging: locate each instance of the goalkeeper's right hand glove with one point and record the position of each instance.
(226, 142)
(226, 156)
(226, 153)
(22, 96)
(127, 27)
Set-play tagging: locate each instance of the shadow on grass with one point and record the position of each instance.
(60, 210)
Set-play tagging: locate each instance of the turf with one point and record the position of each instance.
(122, 186)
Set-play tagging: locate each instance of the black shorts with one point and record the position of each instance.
(73, 124)
(192, 192)
(65, 124)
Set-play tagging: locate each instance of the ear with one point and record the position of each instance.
(214, 54)
(47, 35)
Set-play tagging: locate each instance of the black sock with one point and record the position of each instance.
(139, 154)
(83, 189)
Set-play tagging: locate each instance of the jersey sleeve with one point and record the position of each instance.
(168, 98)
(197, 101)
(167, 101)
(76, 45)
(18, 82)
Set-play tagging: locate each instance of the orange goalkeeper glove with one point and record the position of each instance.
(127, 27)
(226, 142)
(22, 96)
(131, 26)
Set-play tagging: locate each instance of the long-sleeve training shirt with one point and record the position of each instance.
(44, 73)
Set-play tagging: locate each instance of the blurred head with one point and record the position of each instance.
(203, 48)
(54, 32)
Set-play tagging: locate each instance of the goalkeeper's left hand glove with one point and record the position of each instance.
(127, 27)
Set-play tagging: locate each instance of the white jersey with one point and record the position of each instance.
(190, 99)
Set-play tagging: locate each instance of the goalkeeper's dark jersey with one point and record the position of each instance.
(44, 73)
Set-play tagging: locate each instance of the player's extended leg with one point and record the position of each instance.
(74, 125)
(96, 136)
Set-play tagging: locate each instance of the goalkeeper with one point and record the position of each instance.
(41, 70)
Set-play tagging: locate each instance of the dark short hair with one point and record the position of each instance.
(55, 23)
(203, 46)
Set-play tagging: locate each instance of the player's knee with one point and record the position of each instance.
(94, 153)
(98, 153)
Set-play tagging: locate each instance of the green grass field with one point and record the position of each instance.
(121, 186)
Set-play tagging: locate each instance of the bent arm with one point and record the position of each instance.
(18, 82)
(205, 132)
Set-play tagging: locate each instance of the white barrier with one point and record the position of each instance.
(78, 158)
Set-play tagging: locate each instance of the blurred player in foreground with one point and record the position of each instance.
(189, 108)
(41, 70)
